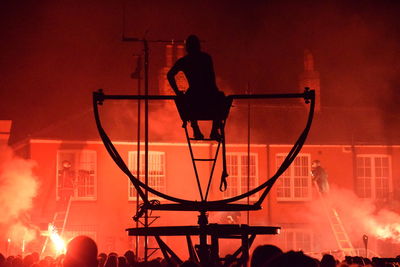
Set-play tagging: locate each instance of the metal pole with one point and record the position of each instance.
(146, 137)
(146, 119)
(138, 150)
(248, 155)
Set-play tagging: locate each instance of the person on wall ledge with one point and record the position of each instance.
(319, 176)
(202, 96)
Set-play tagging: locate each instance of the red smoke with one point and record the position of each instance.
(359, 217)
(18, 186)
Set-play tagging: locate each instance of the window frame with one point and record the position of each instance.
(76, 230)
(132, 155)
(373, 177)
(76, 163)
(292, 178)
(240, 176)
(284, 243)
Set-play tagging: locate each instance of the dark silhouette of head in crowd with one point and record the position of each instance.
(112, 260)
(29, 260)
(130, 257)
(2, 260)
(17, 262)
(122, 262)
(328, 261)
(81, 252)
(263, 254)
(102, 259)
(293, 258)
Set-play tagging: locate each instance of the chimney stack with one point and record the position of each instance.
(5, 129)
(169, 55)
(310, 78)
(180, 51)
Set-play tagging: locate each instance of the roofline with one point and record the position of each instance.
(337, 145)
(98, 142)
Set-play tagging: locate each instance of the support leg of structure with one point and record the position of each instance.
(214, 249)
(245, 250)
(192, 251)
(203, 249)
(166, 251)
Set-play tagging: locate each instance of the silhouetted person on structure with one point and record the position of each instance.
(203, 93)
(320, 176)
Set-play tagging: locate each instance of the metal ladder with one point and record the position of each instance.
(213, 160)
(59, 222)
(337, 227)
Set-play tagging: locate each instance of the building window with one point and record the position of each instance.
(156, 174)
(296, 239)
(295, 183)
(373, 176)
(77, 230)
(76, 174)
(239, 181)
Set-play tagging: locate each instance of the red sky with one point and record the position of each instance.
(54, 54)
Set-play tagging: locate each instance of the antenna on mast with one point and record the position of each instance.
(123, 18)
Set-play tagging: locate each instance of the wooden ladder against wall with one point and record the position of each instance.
(341, 236)
(58, 224)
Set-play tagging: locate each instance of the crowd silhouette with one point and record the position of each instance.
(82, 252)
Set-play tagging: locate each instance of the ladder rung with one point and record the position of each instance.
(204, 159)
(204, 139)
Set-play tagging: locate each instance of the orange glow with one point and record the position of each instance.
(58, 242)
(385, 231)
(390, 231)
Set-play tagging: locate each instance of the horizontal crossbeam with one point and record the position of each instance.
(217, 230)
(100, 96)
(200, 206)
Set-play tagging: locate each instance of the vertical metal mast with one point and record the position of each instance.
(248, 152)
(139, 62)
(146, 136)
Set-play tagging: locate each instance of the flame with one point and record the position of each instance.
(385, 231)
(390, 231)
(58, 242)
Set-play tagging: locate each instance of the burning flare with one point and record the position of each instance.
(390, 231)
(59, 243)
(385, 230)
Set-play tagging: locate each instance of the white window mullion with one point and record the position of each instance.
(295, 183)
(237, 170)
(373, 176)
(84, 171)
(156, 171)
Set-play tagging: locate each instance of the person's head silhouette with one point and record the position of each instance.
(81, 252)
(192, 44)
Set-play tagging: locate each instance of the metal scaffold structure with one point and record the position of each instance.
(206, 253)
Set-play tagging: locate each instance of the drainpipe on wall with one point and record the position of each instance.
(269, 195)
